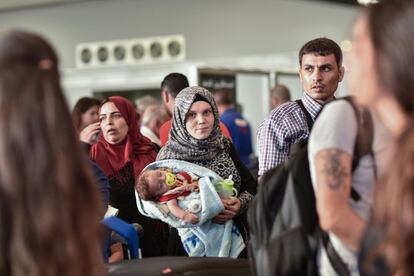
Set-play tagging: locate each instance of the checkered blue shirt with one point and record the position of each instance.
(285, 125)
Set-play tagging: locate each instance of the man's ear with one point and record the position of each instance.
(341, 73)
(300, 73)
(165, 96)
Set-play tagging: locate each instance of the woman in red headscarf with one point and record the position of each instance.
(122, 152)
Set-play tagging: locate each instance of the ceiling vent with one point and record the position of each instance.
(162, 49)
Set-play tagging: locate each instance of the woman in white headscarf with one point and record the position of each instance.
(196, 137)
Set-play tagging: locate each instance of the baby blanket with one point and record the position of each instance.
(204, 238)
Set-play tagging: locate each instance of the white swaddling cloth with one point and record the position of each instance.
(204, 238)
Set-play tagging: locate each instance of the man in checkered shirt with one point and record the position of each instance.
(320, 71)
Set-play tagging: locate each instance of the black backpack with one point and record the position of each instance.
(283, 222)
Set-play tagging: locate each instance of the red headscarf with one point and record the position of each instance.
(135, 148)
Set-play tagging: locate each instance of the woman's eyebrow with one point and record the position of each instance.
(109, 113)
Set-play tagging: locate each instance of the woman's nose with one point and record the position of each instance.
(200, 119)
(108, 120)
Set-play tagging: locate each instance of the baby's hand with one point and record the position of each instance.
(190, 218)
(193, 187)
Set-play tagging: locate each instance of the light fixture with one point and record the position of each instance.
(346, 45)
(367, 2)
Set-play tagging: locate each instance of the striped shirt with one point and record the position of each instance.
(285, 125)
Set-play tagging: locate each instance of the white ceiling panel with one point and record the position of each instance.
(22, 4)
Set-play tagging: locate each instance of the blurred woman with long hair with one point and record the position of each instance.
(50, 208)
(85, 112)
(382, 77)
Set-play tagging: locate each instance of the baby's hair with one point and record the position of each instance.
(141, 186)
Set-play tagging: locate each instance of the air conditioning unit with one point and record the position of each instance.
(161, 49)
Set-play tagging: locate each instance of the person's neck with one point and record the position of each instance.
(224, 108)
(325, 101)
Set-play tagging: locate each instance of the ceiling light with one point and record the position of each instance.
(346, 45)
(367, 2)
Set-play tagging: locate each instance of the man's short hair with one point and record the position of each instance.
(144, 102)
(174, 82)
(321, 47)
(223, 96)
(281, 92)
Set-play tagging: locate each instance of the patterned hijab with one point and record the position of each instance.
(212, 152)
(135, 147)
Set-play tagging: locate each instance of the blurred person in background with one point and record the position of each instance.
(279, 94)
(141, 104)
(85, 112)
(86, 119)
(237, 125)
(152, 119)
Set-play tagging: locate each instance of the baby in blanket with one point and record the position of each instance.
(198, 198)
(163, 186)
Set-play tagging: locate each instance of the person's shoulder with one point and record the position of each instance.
(229, 115)
(284, 109)
(283, 112)
(339, 108)
(167, 124)
(164, 131)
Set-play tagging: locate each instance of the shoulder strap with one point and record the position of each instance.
(365, 132)
(338, 265)
(364, 139)
(308, 117)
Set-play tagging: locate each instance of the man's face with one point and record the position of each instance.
(320, 76)
(168, 100)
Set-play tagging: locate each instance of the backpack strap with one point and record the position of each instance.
(337, 264)
(365, 132)
(308, 117)
(364, 139)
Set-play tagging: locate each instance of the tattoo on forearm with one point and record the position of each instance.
(332, 168)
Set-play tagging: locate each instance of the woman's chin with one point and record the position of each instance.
(114, 141)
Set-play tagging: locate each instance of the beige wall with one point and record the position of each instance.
(213, 28)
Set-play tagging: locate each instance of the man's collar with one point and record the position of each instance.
(312, 106)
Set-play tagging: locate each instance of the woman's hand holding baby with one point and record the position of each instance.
(231, 209)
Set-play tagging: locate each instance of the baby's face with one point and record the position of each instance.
(156, 182)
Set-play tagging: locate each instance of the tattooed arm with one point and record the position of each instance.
(333, 178)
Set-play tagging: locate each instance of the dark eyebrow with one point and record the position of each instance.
(326, 65)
